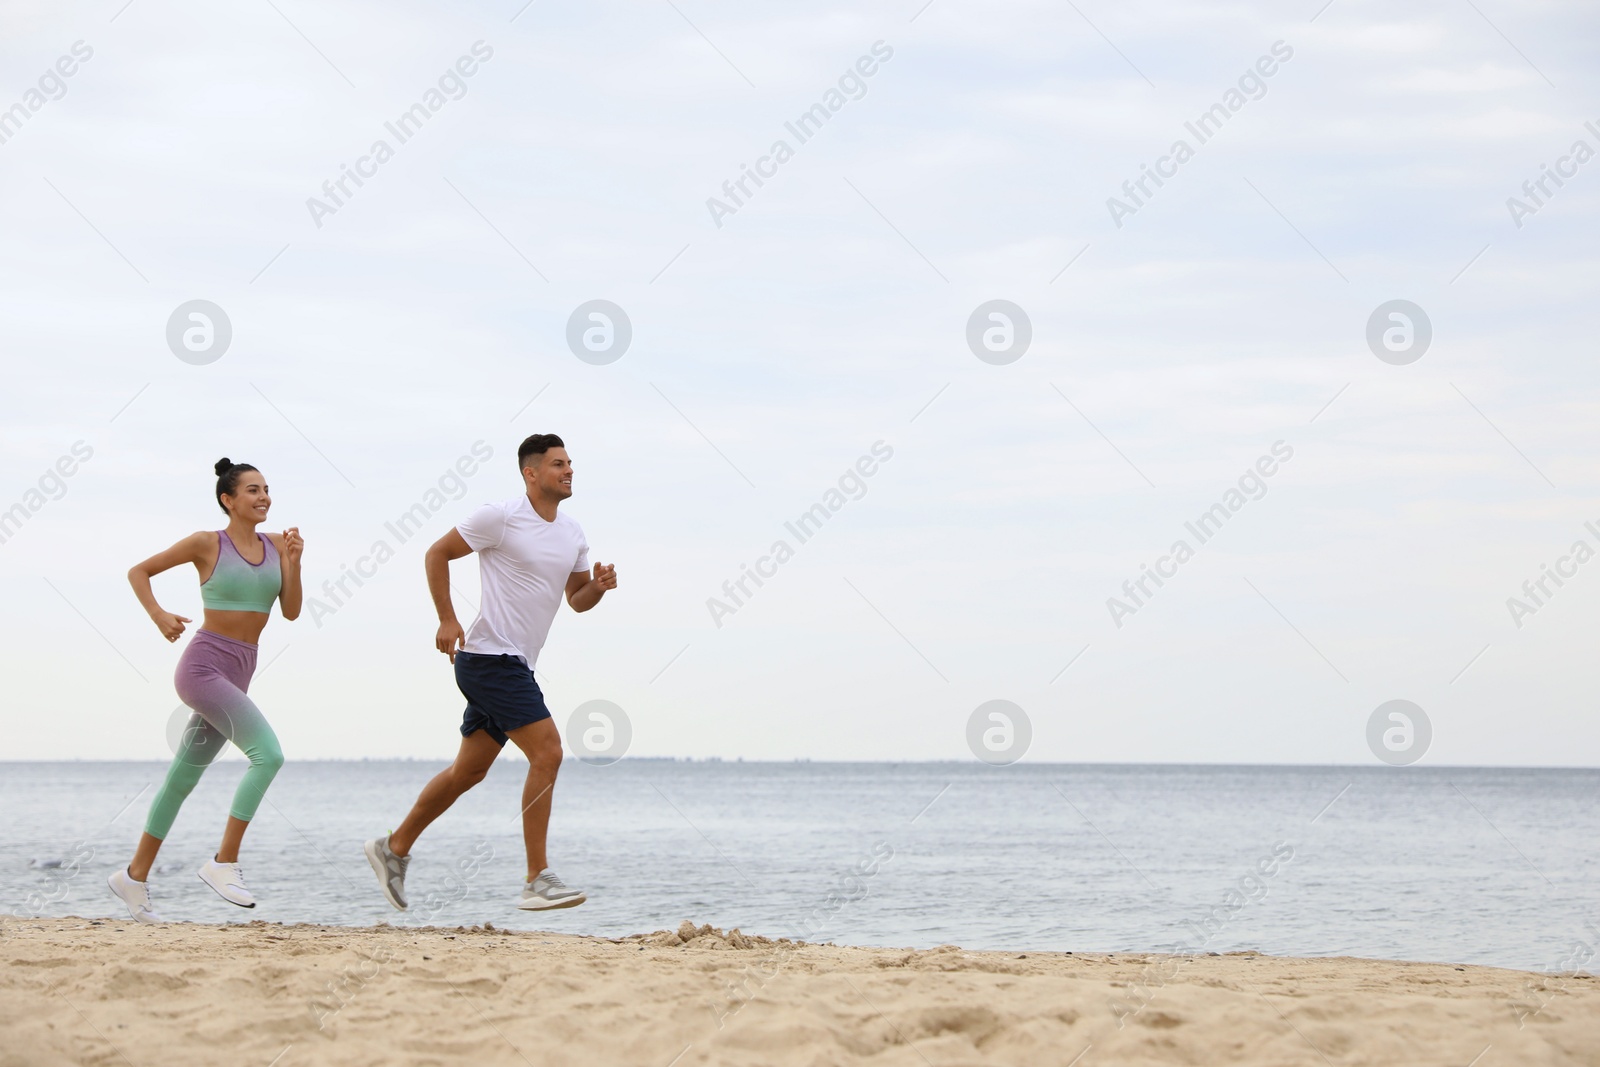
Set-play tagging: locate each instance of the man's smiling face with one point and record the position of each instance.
(550, 473)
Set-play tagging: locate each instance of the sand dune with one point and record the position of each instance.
(103, 992)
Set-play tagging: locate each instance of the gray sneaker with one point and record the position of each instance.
(549, 891)
(390, 869)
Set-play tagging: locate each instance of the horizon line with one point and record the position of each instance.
(881, 762)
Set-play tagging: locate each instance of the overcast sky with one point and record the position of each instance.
(1176, 339)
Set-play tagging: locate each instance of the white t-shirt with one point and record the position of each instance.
(524, 563)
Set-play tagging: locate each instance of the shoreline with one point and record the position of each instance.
(79, 990)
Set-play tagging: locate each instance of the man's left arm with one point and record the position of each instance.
(584, 590)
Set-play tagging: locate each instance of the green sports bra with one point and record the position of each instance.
(236, 584)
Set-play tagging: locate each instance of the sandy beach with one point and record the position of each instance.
(100, 991)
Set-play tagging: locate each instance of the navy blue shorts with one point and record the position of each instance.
(501, 694)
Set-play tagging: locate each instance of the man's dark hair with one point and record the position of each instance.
(537, 445)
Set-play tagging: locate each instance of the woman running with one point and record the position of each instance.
(241, 573)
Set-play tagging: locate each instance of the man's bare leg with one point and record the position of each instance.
(541, 743)
(477, 754)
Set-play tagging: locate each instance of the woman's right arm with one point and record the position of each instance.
(190, 550)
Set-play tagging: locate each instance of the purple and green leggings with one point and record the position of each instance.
(213, 675)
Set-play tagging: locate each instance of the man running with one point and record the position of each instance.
(527, 556)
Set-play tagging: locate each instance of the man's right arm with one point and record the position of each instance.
(437, 563)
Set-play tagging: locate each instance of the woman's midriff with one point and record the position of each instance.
(240, 625)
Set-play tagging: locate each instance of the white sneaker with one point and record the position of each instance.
(549, 891)
(135, 895)
(228, 882)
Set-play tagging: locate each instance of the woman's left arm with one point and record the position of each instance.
(289, 546)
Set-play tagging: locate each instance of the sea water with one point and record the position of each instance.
(1465, 865)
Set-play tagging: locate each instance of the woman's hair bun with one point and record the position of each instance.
(228, 475)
